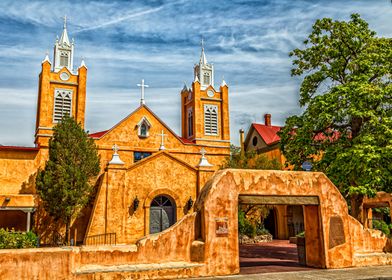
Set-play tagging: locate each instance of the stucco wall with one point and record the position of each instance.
(213, 254)
(161, 174)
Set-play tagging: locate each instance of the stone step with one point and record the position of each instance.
(88, 269)
(373, 254)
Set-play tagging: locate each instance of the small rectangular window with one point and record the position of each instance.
(140, 155)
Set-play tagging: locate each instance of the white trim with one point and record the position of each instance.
(145, 121)
(212, 140)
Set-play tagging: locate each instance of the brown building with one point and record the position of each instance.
(154, 174)
(264, 139)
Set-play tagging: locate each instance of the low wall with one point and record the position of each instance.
(171, 245)
(205, 243)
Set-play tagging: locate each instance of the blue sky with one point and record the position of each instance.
(159, 41)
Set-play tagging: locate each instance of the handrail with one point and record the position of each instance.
(102, 239)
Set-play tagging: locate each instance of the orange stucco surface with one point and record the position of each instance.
(195, 247)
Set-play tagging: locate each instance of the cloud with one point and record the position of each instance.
(125, 41)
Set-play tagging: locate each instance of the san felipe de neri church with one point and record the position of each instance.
(150, 176)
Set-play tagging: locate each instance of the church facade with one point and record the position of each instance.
(150, 176)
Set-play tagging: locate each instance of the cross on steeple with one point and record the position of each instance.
(65, 21)
(162, 147)
(142, 85)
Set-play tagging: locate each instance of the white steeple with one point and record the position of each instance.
(204, 71)
(63, 50)
(203, 59)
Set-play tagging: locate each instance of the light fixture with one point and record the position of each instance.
(7, 199)
(135, 203)
(189, 203)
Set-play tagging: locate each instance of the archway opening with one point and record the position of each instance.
(162, 213)
(277, 239)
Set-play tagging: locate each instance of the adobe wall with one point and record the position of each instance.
(159, 174)
(333, 238)
(200, 244)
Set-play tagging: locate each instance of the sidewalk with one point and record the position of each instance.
(361, 273)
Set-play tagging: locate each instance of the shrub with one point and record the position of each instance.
(261, 230)
(381, 225)
(244, 226)
(16, 240)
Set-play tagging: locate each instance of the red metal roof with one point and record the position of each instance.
(186, 141)
(98, 134)
(268, 133)
(19, 148)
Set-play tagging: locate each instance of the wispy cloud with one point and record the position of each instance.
(125, 41)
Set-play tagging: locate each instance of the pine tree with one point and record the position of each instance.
(65, 184)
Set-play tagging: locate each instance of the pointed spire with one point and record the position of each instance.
(82, 63)
(64, 37)
(196, 79)
(223, 84)
(185, 88)
(46, 58)
(203, 59)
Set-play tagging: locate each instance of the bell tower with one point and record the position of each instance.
(61, 89)
(204, 109)
(63, 51)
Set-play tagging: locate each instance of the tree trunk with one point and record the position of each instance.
(67, 232)
(356, 206)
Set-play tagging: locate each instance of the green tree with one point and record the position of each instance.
(250, 160)
(65, 184)
(346, 127)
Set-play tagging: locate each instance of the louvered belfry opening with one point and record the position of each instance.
(210, 120)
(62, 104)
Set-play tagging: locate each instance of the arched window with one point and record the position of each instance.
(62, 104)
(143, 130)
(206, 78)
(190, 123)
(162, 213)
(210, 120)
(64, 59)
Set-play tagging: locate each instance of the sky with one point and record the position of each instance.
(123, 42)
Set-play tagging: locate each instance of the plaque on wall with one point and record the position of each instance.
(336, 232)
(221, 227)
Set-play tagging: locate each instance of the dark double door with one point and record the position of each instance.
(162, 214)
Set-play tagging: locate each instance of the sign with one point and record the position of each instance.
(307, 166)
(221, 227)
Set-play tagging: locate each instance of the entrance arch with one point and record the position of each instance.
(162, 213)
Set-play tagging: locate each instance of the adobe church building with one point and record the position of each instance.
(155, 174)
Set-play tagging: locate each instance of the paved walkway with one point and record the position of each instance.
(275, 256)
(361, 273)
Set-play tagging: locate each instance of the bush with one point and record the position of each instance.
(244, 226)
(16, 240)
(261, 230)
(381, 225)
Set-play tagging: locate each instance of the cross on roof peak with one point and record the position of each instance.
(142, 85)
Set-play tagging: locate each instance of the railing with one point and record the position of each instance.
(101, 239)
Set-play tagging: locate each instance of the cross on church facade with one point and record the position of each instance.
(162, 147)
(142, 85)
(115, 148)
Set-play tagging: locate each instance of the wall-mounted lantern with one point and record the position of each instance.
(7, 199)
(189, 203)
(135, 204)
